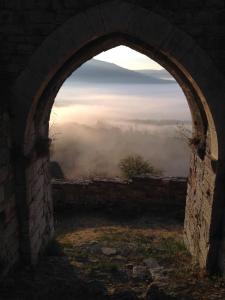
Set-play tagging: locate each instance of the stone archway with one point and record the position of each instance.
(79, 39)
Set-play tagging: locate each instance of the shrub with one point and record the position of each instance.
(136, 165)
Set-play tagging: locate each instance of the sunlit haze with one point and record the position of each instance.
(119, 103)
(128, 58)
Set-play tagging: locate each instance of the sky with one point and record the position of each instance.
(127, 58)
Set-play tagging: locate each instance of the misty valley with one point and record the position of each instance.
(104, 113)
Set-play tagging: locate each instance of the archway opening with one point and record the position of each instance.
(106, 111)
(203, 143)
(70, 47)
(106, 114)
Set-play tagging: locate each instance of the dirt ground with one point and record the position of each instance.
(103, 256)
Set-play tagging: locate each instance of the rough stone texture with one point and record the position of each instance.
(152, 194)
(40, 206)
(25, 24)
(43, 41)
(199, 204)
(199, 207)
(9, 235)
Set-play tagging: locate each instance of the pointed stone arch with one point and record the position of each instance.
(83, 36)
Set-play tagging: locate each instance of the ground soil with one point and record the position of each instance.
(94, 254)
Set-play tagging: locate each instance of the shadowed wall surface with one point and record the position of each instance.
(43, 42)
(156, 195)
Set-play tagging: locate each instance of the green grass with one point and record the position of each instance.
(105, 266)
(172, 246)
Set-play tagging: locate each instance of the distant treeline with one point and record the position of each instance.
(159, 122)
(86, 151)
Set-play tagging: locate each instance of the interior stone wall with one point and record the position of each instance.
(9, 229)
(26, 23)
(39, 199)
(24, 26)
(199, 204)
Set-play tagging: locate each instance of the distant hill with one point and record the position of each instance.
(97, 71)
(160, 74)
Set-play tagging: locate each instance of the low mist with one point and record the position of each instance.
(93, 126)
(85, 151)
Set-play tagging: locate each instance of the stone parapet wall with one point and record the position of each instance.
(152, 194)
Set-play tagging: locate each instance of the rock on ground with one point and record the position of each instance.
(124, 295)
(155, 293)
(109, 251)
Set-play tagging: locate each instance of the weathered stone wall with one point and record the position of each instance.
(40, 205)
(24, 27)
(9, 231)
(24, 24)
(199, 208)
(163, 195)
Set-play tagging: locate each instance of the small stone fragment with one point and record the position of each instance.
(154, 268)
(151, 263)
(97, 289)
(124, 295)
(109, 251)
(155, 293)
(119, 257)
(140, 272)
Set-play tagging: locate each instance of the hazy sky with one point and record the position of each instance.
(95, 124)
(128, 58)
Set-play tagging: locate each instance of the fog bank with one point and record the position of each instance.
(85, 151)
(94, 125)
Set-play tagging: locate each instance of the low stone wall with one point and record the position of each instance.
(152, 194)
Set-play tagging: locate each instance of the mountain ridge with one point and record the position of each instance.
(162, 74)
(98, 71)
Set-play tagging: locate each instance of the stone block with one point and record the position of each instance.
(214, 4)
(6, 16)
(219, 17)
(41, 17)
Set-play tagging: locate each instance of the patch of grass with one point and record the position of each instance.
(115, 237)
(58, 277)
(143, 250)
(135, 245)
(171, 252)
(65, 242)
(80, 254)
(105, 266)
(136, 242)
(173, 246)
(106, 238)
(142, 239)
